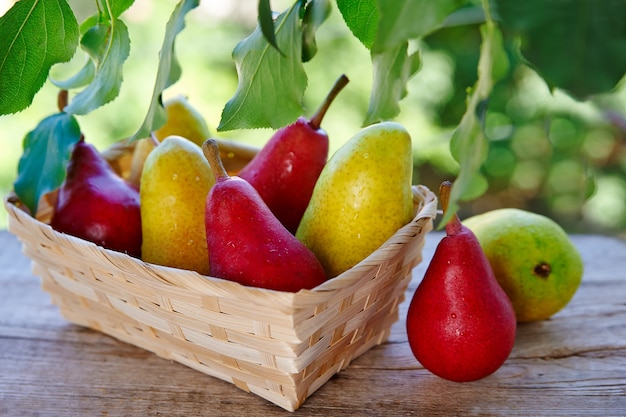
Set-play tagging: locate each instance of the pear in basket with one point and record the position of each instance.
(362, 197)
(290, 163)
(96, 204)
(246, 242)
(174, 184)
(182, 120)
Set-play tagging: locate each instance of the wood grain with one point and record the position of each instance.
(571, 365)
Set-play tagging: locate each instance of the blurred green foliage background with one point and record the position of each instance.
(548, 153)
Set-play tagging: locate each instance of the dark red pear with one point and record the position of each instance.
(94, 203)
(246, 242)
(460, 324)
(285, 170)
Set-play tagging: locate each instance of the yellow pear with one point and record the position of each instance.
(362, 197)
(182, 120)
(174, 185)
(143, 147)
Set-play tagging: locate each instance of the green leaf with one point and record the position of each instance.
(401, 20)
(576, 45)
(86, 74)
(469, 145)
(361, 17)
(591, 183)
(464, 16)
(83, 77)
(266, 23)
(34, 35)
(316, 13)
(392, 69)
(169, 70)
(117, 7)
(267, 80)
(386, 27)
(90, 22)
(108, 45)
(47, 150)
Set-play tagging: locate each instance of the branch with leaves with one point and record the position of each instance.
(575, 45)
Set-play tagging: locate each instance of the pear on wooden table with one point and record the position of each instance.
(460, 324)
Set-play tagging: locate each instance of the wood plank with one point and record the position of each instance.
(571, 365)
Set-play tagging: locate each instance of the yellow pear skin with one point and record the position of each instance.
(174, 185)
(362, 197)
(143, 147)
(183, 120)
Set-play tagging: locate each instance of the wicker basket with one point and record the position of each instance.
(280, 346)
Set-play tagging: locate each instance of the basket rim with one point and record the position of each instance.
(426, 210)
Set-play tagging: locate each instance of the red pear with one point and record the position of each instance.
(246, 242)
(460, 324)
(96, 204)
(285, 170)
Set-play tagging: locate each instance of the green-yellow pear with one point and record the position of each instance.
(532, 258)
(362, 197)
(174, 185)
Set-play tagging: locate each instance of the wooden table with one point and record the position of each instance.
(573, 364)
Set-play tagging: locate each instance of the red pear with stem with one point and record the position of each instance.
(96, 204)
(460, 324)
(246, 242)
(285, 170)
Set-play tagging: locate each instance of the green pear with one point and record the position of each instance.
(362, 197)
(533, 259)
(174, 185)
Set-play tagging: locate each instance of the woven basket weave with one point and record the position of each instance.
(280, 346)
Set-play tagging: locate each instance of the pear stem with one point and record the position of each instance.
(316, 119)
(62, 100)
(155, 141)
(444, 195)
(454, 224)
(212, 153)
